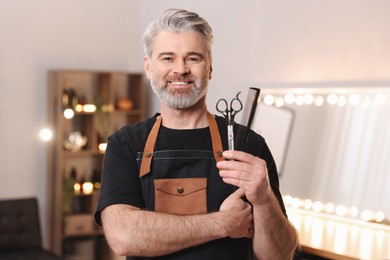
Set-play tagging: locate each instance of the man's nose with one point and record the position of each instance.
(181, 67)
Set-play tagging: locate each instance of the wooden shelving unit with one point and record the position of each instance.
(119, 99)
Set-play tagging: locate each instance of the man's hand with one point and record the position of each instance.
(273, 237)
(240, 215)
(247, 172)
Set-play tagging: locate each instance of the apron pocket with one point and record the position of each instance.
(181, 196)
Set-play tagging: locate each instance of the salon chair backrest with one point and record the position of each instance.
(19, 224)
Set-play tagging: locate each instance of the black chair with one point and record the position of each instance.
(20, 234)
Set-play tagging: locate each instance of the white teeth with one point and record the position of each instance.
(179, 83)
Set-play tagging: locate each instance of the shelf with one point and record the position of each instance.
(116, 111)
(82, 153)
(69, 89)
(128, 112)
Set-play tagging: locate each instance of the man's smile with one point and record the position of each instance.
(180, 82)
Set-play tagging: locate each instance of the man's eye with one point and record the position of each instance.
(193, 59)
(167, 59)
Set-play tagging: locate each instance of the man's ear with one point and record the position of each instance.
(211, 72)
(147, 66)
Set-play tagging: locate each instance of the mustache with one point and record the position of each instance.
(175, 78)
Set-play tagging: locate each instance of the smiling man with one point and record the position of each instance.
(179, 72)
(167, 190)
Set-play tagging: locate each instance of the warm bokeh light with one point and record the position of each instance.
(354, 212)
(366, 101)
(45, 134)
(367, 215)
(319, 101)
(279, 102)
(77, 188)
(87, 188)
(317, 206)
(308, 99)
(342, 101)
(89, 108)
(341, 210)
(78, 108)
(330, 208)
(332, 99)
(269, 100)
(380, 99)
(102, 147)
(307, 204)
(295, 203)
(68, 113)
(299, 100)
(354, 100)
(289, 98)
(379, 216)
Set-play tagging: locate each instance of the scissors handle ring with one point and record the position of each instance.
(222, 111)
(235, 110)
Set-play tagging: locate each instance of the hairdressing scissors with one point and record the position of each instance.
(229, 112)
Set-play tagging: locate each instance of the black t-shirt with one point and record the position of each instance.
(121, 183)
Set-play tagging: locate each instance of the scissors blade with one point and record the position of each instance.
(230, 137)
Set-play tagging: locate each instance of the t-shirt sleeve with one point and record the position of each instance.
(273, 176)
(120, 177)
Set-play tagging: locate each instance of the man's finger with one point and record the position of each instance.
(238, 194)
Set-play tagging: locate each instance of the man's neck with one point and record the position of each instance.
(192, 118)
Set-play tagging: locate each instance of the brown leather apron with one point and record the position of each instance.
(177, 181)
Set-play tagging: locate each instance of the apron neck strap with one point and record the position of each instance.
(215, 137)
(151, 141)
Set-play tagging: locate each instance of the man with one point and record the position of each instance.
(167, 190)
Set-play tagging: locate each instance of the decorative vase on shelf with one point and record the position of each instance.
(103, 118)
(75, 141)
(125, 103)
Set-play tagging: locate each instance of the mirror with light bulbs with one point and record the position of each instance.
(337, 152)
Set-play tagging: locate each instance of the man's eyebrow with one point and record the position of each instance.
(164, 54)
(200, 55)
(191, 53)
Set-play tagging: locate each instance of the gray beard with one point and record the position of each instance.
(177, 99)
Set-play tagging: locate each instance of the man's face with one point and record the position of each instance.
(179, 69)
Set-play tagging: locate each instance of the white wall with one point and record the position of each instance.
(36, 36)
(257, 43)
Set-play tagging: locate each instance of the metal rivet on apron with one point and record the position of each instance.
(147, 154)
(180, 190)
(219, 153)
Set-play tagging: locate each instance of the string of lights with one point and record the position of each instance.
(333, 209)
(379, 99)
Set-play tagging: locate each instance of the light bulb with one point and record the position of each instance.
(269, 100)
(299, 100)
(380, 99)
(308, 99)
(317, 206)
(279, 102)
(68, 113)
(89, 108)
(307, 204)
(87, 188)
(319, 101)
(354, 100)
(289, 98)
(45, 134)
(332, 99)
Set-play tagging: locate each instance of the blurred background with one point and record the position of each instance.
(257, 43)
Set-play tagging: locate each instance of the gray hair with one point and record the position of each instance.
(176, 20)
